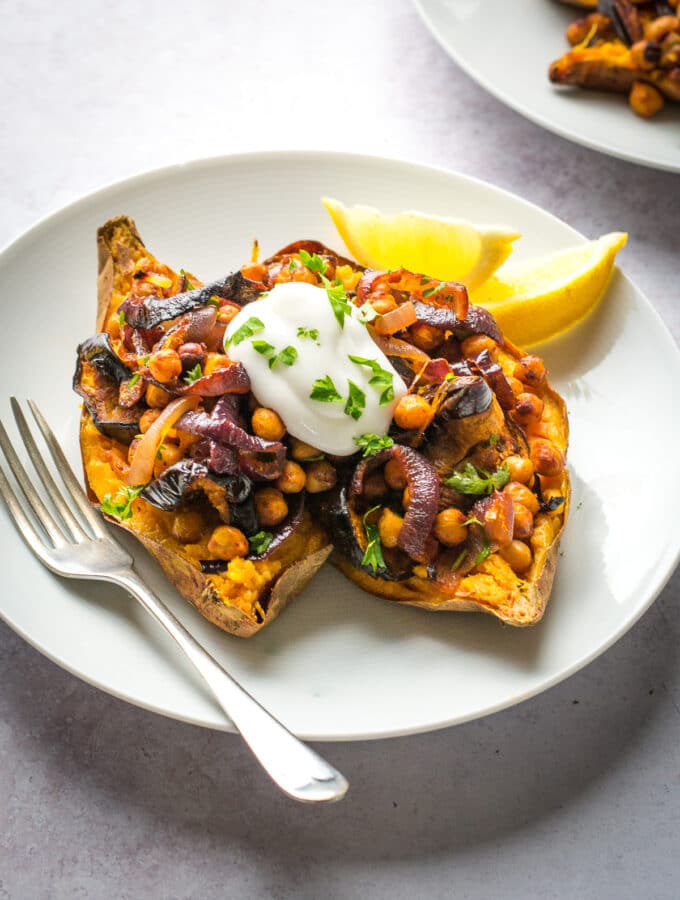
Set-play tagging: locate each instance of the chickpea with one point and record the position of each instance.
(374, 487)
(516, 385)
(520, 468)
(227, 542)
(427, 337)
(226, 313)
(520, 493)
(384, 304)
(528, 409)
(270, 506)
(147, 419)
(301, 451)
(394, 475)
(546, 457)
(156, 397)
(321, 476)
(292, 478)
(518, 556)
(530, 370)
(168, 454)
(645, 55)
(645, 100)
(476, 343)
(413, 412)
(215, 361)
(113, 326)
(658, 28)
(579, 30)
(165, 365)
(449, 528)
(267, 424)
(524, 522)
(187, 526)
(389, 526)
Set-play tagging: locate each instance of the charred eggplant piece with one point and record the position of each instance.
(97, 379)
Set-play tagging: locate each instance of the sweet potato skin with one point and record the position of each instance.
(288, 570)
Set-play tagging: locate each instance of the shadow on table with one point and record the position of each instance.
(414, 798)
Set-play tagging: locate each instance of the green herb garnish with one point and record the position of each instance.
(472, 480)
(494, 439)
(121, 506)
(483, 553)
(251, 326)
(458, 562)
(356, 401)
(287, 356)
(338, 299)
(215, 301)
(311, 333)
(313, 262)
(133, 380)
(372, 443)
(367, 313)
(428, 292)
(193, 374)
(325, 391)
(292, 265)
(373, 556)
(263, 347)
(190, 286)
(260, 541)
(121, 318)
(159, 452)
(381, 379)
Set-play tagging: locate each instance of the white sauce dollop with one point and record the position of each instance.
(287, 388)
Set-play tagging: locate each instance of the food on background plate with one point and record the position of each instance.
(239, 427)
(625, 47)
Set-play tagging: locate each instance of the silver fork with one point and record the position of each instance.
(74, 543)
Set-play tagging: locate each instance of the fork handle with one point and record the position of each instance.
(296, 768)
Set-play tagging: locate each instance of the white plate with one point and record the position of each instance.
(508, 46)
(339, 664)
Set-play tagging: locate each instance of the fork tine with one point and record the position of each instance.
(73, 526)
(67, 475)
(42, 513)
(34, 540)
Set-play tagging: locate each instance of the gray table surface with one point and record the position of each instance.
(574, 794)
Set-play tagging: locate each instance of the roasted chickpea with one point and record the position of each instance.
(474, 345)
(520, 493)
(165, 365)
(292, 478)
(449, 528)
(187, 526)
(226, 313)
(658, 28)
(389, 526)
(427, 337)
(394, 475)
(270, 506)
(547, 459)
(645, 100)
(374, 487)
(168, 454)
(215, 361)
(524, 522)
(384, 304)
(579, 30)
(516, 385)
(147, 419)
(301, 451)
(321, 476)
(530, 370)
(156, 397)
(521, 468)
(518, 556)
(227, 542)
(528, 408)
(267, 424)
(645, 55)
(413, 412)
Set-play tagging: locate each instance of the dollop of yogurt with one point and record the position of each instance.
(292, 346)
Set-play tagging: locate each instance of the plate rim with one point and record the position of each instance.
(48, 221)
(517, 106)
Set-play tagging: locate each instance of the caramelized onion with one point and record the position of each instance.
(396, 320)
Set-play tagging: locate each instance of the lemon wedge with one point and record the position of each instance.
(447, 249)
(537, 300)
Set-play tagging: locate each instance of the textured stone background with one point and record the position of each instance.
(574, 794)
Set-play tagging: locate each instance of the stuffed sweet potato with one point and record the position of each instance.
(433, 458)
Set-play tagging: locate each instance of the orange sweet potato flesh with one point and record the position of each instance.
(250, 593)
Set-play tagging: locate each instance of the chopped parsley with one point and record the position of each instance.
(287, 356)
(356, 401)
(292, 265)
(325, 391)
(458, 562)
(121, 507)
(190, 286)
(373, 556)
(338, 299)
(215, 301)
(251, 326)
(381, 379)
(428, 292)
(483, 553)
(133, 381)
(193, 374)
(472, 480)
(449, 376)
(263, 347)
(159, 452)
(311, 333)
(121, 318)
(494, 439)
(313, 262)
(367, 313)
(372, 443)
(260, 542)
